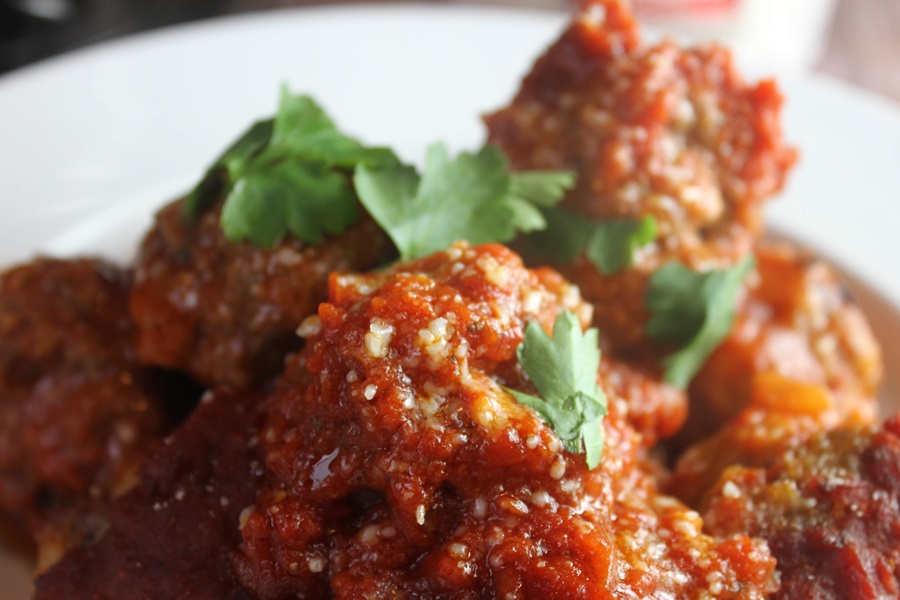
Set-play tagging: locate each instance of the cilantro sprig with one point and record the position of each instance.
(609, 244)
(563, 368)
(471, 197)
(694, 311)
(289, 174)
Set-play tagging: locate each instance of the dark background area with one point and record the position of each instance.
(34, 29)
(863, 45)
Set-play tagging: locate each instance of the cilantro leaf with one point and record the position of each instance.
(609, 244)
(694, 311)
(564, 370)
(287, 175)
(471, 197)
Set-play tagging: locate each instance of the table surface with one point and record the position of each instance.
(862, 45)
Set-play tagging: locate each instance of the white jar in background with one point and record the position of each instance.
(783, 34)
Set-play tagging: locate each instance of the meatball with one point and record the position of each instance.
(798, 321)
(829, 509)
(651, 131)
(398, 465)
(224, 312)
(170, 536)
(820, 488)
(782, 413)
(76, 412)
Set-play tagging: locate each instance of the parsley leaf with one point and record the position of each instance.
(564, 370)
(289, 174)
(205, 192)
(306, 199)
(609, 244)
(471, 197)
(563, 239)
(303, 131)
(694, 311)
(612, 244)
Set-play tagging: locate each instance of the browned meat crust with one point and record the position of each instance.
(226, 313)
(76, 412)
(829, 509)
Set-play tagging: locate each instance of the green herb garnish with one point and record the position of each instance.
(564, 371)
(289, 174)
(694, 311)
(612, 244)
(609, 244)
(472, 197)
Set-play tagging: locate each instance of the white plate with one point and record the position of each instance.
(92, 142)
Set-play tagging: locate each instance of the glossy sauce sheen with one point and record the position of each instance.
(399, 467)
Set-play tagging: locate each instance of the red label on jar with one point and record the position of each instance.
(684, 7)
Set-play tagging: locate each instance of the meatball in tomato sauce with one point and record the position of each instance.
(227, 312)
(399, 464)
(76, 411)
(651, 131)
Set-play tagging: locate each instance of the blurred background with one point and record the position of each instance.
(855, 40)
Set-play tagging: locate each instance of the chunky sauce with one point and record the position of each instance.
(399, 466)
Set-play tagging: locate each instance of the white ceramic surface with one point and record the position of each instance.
(92, 142)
